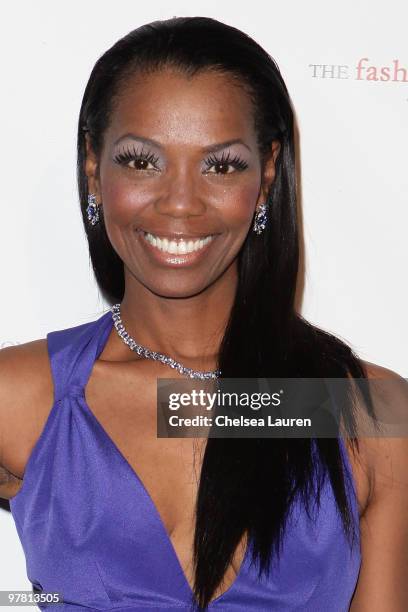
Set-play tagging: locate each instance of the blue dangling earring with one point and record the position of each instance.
(92, 209)
(260, 219)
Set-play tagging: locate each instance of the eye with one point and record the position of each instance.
(140, 160)
(224, 162)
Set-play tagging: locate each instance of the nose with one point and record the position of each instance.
(181, 195)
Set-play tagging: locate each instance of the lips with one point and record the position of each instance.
(176, 250)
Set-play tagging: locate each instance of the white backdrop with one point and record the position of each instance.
(353, 135)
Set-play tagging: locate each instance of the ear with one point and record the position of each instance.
(92, 169)
(268, 171)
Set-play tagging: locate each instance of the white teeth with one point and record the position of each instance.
(176, 248)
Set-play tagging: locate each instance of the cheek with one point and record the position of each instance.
(123, 199)
(238, 206)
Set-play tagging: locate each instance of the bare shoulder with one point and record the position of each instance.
(374, 370)
(386, 453)
(370, 462)
(384, 524)
(26, 398)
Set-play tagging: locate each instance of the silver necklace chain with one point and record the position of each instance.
(149, 354)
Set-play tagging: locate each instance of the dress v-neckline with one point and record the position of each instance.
(96, 347)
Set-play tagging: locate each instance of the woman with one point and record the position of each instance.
(186, 173)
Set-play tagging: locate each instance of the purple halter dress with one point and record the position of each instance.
(91, 532)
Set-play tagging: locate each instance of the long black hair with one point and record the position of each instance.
(246, 485)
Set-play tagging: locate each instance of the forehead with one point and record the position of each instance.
(173, 107)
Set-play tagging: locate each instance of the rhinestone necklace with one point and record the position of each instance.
(145, 352)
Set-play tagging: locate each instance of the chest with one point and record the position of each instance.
(125, 405)
(168, 468)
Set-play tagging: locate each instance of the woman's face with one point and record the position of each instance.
(179, 178)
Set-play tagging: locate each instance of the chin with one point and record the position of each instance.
(171, 290)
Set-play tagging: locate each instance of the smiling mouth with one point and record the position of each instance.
(179, 246)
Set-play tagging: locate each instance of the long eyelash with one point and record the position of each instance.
(132, 155)
(235, 161)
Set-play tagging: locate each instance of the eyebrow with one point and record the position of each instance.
(209, 149)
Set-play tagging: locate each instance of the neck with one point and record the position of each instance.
(188, 329)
